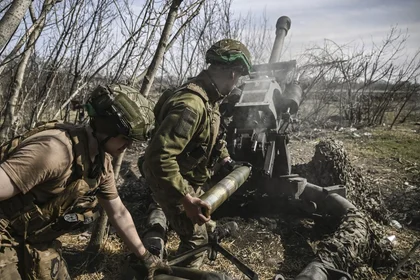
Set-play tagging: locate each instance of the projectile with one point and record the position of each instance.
(225, 188)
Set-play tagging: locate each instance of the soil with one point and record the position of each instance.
(282, 241)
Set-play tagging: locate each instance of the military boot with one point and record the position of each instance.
(154, 238)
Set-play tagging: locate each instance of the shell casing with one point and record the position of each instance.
(225, 188)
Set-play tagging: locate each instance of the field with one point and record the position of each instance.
(388, 161)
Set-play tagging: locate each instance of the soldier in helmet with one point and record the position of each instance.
(52, 178)
(177, 159)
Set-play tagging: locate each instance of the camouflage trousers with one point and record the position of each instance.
(31, 262)
(191, 235)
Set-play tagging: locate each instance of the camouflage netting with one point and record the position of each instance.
(349, 239)
(331, 166)
(357, 243)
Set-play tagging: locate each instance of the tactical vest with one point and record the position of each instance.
(194, 152)
(70, 209)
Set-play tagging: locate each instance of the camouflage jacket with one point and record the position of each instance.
(187, 126)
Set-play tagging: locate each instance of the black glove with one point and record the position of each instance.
(231, 165)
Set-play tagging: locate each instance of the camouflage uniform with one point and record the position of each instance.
(177, 156)
(182, 149)
(51, 166)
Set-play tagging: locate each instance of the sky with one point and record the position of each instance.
(343, 21)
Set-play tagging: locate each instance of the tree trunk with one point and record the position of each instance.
(407, 98)
(10, 117)
(11, 20)
(161, 48)
(47, 89)
(99, 231)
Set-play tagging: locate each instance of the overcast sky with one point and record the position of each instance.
(342, 21)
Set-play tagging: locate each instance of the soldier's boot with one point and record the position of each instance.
(154, 238)
(229, 229)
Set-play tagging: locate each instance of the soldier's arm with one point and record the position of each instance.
(123, 223)
(175, 132)
(7, 187)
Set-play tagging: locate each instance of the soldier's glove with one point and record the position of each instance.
(152, 263)
(231, 165)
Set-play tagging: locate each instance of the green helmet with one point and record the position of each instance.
(230, 52)
(114, 113)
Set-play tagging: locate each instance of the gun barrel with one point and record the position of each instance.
(225, 188)
(282, 27)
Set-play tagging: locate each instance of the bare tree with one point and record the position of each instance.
(215, 21)
(161, 48)
(11, 20)
(39, 23)
(357, 73)
(56, 57)
(410, 92)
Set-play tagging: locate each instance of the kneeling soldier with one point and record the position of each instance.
(52, 178)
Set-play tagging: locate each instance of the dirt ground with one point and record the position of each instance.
(283, 242)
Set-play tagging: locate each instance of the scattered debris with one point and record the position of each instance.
(85, 236)
(392, 239)
(396, 224)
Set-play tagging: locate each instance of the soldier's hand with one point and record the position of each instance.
(192, 207)
(154, 263)
(231, 164)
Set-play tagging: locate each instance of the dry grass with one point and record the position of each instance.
(257, 247)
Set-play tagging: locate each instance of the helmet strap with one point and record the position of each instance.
(214, 85)
(98, 165)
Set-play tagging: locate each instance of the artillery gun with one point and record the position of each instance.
(256, 122)
(255, 125)
(258, 118)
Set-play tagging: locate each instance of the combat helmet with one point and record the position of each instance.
(112, 112)
(231, 53)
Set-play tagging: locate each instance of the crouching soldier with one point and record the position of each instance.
(52, 177)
